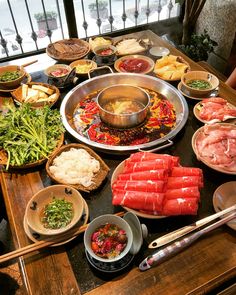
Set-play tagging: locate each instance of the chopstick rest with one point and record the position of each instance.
(162, 255)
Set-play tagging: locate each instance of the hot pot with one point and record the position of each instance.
(72, 99)
(118, 93)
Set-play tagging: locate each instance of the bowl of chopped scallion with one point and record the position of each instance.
(54, 210)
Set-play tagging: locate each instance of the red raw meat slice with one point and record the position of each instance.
(147, 156)
(186, 171)
(180, 206)
(185, 192)
(147, 165)
(160, 174)
(141, 185)
(138, 200)
(216, 108)
(184, 181)
(218, 100)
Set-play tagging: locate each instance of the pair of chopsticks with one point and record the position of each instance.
(170, 237)
(46, 243)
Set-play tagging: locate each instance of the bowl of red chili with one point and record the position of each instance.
(138, 64)
(108, 238)
(105, 54)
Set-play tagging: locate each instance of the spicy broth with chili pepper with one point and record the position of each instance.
(160, 120)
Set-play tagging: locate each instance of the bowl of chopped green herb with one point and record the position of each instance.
(54, 210)
(199, 82)
(11, 76)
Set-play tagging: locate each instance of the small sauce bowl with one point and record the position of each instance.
(105, 54)
(60, 75)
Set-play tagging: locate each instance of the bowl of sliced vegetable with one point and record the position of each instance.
(11, 76)
(54, 210)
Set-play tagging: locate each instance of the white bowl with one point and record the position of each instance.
(101, 220)
(224, 197)
(159, 51)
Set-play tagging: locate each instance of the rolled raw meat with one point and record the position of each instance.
(180, 206)
(140, 185)
(160, 174)
(138, 200)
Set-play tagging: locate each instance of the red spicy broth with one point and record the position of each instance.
(108, 241)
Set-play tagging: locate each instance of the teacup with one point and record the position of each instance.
(101, 221)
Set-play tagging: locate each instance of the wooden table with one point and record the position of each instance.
(206, 265)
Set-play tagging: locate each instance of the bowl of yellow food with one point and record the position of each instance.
(98, 41)
(54, 210)
(83, 66)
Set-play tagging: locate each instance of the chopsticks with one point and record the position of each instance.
(46, 243)
(161, 255)
(172, 236)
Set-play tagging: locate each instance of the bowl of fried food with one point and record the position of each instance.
(171, 68)
(54, 210)
(36, 94)
(11, 76)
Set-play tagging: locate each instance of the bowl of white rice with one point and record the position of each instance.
(77, 165)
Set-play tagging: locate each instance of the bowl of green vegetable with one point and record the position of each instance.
(199, 82)
(11, 76)
(54, 210)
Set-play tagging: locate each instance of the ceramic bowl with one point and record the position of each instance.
(102, 220)
(199, 75)
(105, 54)
(60, 75)
(13, 83)
(35, 207)
(159, 51)
(224, 197)
(83, 66)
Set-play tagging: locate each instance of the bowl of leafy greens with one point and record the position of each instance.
(29, 136)
(54, 210)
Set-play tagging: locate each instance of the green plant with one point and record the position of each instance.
(199, 46)
(101, 5)
(41, 15)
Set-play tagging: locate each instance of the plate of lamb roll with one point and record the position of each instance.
(156, 186)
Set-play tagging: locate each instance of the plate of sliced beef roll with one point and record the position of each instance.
(156, 186)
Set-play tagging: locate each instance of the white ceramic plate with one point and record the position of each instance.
(215, 167)
(224, 197)
(119, 169)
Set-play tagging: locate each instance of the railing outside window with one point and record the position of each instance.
(28, 26)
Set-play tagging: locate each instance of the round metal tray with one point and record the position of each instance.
(72, 99)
